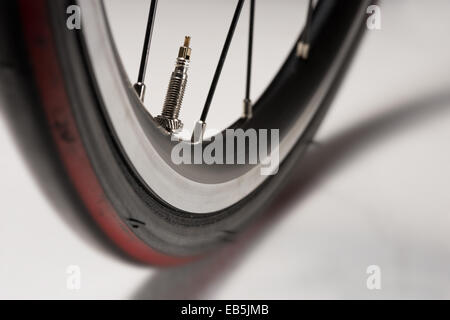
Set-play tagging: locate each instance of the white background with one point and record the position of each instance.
(372, 191)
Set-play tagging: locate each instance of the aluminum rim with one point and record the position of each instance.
(169, 185)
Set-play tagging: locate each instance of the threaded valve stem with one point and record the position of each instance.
(168, 119)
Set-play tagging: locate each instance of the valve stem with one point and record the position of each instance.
(168, 119)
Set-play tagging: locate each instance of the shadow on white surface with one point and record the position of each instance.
(195, 280)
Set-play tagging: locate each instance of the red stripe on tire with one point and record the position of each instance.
(54, 98)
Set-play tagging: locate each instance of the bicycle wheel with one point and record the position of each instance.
(119, 158)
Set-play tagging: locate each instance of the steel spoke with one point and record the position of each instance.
(247, 100)
(223, 56)
(140, 85)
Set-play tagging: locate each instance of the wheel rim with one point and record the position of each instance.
(188, 189)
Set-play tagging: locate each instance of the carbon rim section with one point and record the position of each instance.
(204, 189)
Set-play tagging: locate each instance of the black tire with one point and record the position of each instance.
(173, 234)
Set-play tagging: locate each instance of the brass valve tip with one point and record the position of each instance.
(185, 50)
(187, 41)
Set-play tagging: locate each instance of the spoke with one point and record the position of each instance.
(308, 21)
(247, 100)
(304, 44)
(140, 86)
(223, 56)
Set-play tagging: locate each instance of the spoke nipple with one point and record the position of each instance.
(303, 50)
(248, 109)
(199, 132)
(140, 90)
